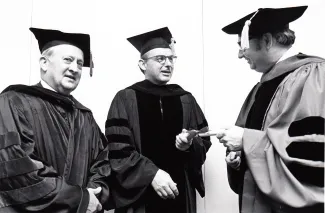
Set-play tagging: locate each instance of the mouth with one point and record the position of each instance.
(71, 77)
(166, 72)
(248, 61)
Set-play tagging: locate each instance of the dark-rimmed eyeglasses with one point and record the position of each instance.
(162, 58)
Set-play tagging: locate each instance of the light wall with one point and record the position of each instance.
(207, 62)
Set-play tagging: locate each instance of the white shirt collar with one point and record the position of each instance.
(274, 72)
(290, 52)
(46, 86)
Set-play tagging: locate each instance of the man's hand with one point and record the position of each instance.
(94, 204)
(164, 186)
(184, 140)
(232, 138)
(233, 160)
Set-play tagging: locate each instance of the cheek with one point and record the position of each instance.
(252, 55)
(154, 70)
(79, 75)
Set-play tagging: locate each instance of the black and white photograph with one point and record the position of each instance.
(175, 106)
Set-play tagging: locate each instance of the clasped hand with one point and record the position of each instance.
(233, 160)
(94, 204)
(164, 186)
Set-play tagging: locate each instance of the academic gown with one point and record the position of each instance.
(141, 128)
(282, 169)
(51, 150)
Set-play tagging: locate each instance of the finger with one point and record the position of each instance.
(99, 207)
(229, 146)
(178, 139)
(226, 145)
(232, 155)
(178, 146)
(222, 140)
(173, 187)
(227, 158)
(179, 143)
(184, 130)
(183, 136)
(160, 194)
(170, 193)
(163, 193)
(220, 133)
(237, 159)
(97, 190)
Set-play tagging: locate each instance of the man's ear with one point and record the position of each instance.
(142, 65)
(268, 40)
(43, 62)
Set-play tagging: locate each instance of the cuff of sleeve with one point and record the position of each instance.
(151, 171)
(84, 201)
(250, 139)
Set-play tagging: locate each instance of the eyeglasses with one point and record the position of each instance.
(162, 58)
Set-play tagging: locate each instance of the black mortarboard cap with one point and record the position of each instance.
(48, 38)
(160, 38)
(266, 20)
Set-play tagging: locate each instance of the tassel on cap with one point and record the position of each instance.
(91, 65)
(172, 45)
(244, 40)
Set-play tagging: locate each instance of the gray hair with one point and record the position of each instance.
(48, 52)
(285, 37)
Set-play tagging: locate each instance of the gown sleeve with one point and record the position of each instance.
(286, 159)
(132, 172)
(100, 169)
(236, 176)
(200, 145)
(26, 183)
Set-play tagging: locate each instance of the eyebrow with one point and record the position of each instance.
(81, 60)
(75, 58)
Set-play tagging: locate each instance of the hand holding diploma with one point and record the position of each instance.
(231, 137)
(185, 138)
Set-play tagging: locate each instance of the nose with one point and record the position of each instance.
(74, 67)
(240, 53)
(168, 62)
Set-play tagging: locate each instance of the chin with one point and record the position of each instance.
(252, 66)
(69, 87)
(165, 78)
(165, 81)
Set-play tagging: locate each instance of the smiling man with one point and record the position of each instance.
(53, 156)
(156, 164)
(279, 135)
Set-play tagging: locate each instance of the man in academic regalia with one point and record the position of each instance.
(276, 150)
(53, 156)
(156, 160)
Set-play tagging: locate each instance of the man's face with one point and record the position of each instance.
(256, 55)
(64, 68)
(157, 71)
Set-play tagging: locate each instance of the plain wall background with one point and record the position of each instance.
(207, 64)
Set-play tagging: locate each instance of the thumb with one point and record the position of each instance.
(99, 207)
(221, 132)
(97, 190)
(232, 155)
